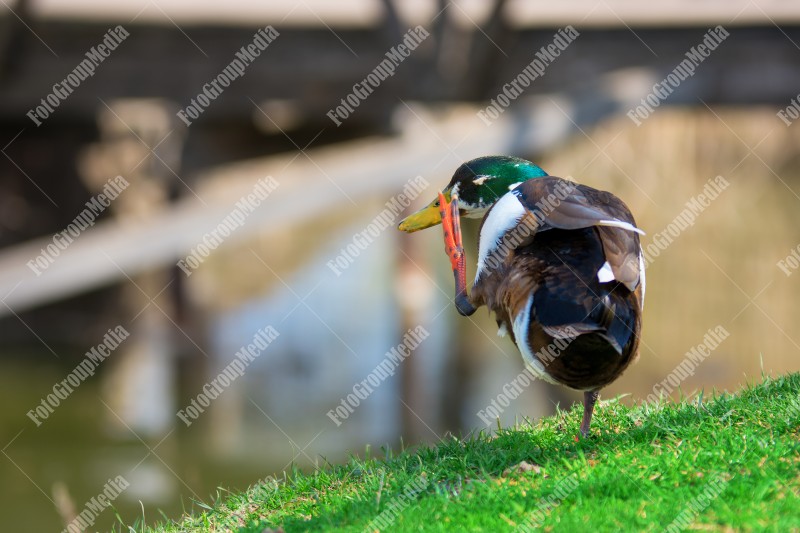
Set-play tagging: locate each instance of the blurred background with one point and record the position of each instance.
(333, 178)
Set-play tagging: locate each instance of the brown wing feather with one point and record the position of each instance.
(557, 203)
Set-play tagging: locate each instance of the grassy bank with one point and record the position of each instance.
(732, 461)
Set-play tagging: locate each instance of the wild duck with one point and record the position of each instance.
(559, 264)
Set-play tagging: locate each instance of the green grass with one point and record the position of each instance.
(731, 462)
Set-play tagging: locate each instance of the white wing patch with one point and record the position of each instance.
(506, 213)
(605, 274)
(620, 224)
(521, 324)
(641, 273)
(502, 331)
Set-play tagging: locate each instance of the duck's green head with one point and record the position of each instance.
(479, 184)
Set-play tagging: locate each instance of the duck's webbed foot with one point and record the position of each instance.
(453, 247)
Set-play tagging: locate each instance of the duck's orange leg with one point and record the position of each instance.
(453, 247)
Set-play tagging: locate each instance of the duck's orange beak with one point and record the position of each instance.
(424, 218)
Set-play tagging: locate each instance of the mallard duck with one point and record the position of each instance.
(559, 264)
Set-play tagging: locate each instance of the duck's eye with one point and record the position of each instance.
(436, 203)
